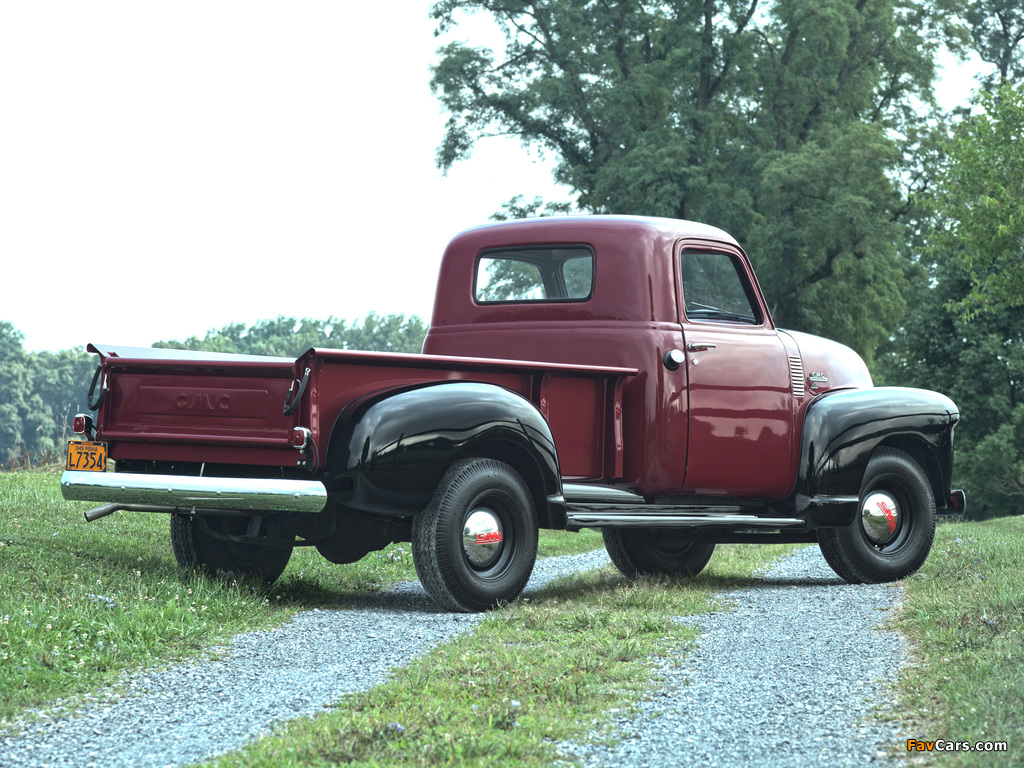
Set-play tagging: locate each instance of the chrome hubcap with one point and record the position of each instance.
(880, 517)
(482, 537)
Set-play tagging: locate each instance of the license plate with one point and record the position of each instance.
(87, 457)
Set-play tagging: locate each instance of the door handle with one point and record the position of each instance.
(700, 346)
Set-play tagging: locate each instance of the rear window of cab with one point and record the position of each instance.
(536, 274)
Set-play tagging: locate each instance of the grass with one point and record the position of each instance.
(81, 603)
(964, 616)
(545, 669)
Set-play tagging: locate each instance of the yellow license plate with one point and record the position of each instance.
(87, 457)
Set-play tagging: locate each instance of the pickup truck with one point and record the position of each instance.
(610, 372)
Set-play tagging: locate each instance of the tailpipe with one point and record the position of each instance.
(98, 512)
(109, 509)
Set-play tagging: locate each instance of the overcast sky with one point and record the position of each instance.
(168, 168)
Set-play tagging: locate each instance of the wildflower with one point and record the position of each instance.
(514, 703)
(396, 727)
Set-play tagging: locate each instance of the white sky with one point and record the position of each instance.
(168, 168)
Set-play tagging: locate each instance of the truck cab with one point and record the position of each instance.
(719, 386)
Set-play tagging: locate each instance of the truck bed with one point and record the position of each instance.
(175, 406)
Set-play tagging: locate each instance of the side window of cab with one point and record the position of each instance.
(715, 288)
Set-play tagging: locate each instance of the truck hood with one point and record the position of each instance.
(830, 365)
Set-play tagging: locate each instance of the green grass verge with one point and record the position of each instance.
(964, 616)
(548, 668)
(80, 603)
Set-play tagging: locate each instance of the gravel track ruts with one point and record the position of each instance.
(790, 676)
(799, 674)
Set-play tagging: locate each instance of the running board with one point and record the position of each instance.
(593, 518)
(590, 506)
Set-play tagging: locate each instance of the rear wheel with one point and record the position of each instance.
(640, 551)
(895, 526)
(195, 547)
(475, 544)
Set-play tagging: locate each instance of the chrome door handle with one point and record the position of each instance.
(699, 346)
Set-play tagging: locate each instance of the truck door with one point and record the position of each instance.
(739, 384)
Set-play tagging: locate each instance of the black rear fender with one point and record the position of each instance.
(388, 451)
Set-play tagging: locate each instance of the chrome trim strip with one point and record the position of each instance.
(803, 503)
(185, 492)
(614, 519)
(580, 493)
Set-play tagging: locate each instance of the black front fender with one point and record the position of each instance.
(842, 429)
(388, 451)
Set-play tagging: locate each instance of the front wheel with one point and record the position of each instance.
(195, 547)
(475, 544)
(894, 529)
(649, 551)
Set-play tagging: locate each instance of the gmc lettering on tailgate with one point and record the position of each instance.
(233, 403)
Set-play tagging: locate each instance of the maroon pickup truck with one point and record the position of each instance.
(612, 372)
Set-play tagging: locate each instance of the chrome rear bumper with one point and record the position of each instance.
(176, 492)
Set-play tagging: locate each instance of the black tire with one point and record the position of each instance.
(895, 524)
(650, 551)
(488, 501)
(195, 548)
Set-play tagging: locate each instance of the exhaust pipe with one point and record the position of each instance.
(98, 512)
(109, 509)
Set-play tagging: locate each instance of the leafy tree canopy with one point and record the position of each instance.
(782, 122)
(995, 30)
(290, 337)
(978, 202)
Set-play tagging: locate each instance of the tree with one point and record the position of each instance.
(386, 333)
(978, 203)
(996, 30)
(776, 122)
(289, 337)
(15, 391)
(39, 395)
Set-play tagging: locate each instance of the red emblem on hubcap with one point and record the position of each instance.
(494, 537)
(889, 515)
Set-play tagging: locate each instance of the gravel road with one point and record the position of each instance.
(197, 710)
(794, 676)
(788, 678)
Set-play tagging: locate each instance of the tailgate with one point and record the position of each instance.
(171, 405)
